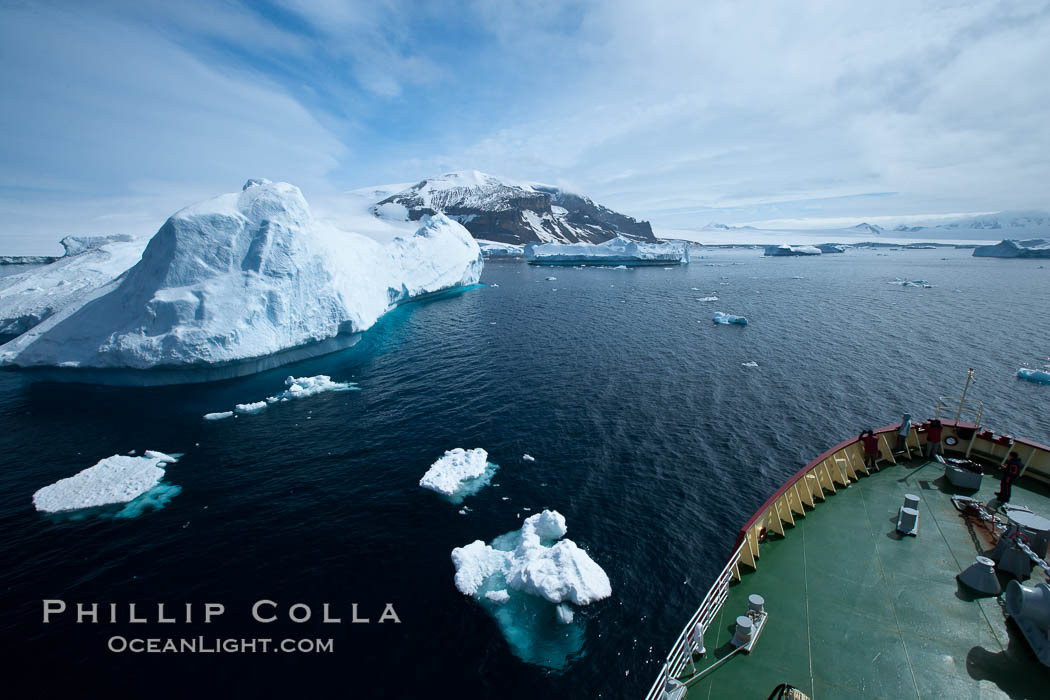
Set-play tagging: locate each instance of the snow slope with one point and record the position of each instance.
(29, 297)
(243, 276)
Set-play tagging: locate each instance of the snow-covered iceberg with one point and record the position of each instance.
(831, 248)
(543, 576)
(459, 473)
(617, 251)
(776, 251)
(1009, 248)
(1039, 376)
(725, 319)
(116, 479)
(244, 276)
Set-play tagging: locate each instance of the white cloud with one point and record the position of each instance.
(107, 111)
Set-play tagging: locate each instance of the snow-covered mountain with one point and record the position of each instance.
(242, 276)
(504, 211)
(867, 228)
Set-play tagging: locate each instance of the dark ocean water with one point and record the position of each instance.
(649, 436)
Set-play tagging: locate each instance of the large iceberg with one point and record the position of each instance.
(617, 251)
(116, 479)
(789, 250)
(459, 473)
(1009, 248)
(245, 276)
(529, 579)
(1039, 376)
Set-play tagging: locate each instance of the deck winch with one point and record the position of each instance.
(1029, 606)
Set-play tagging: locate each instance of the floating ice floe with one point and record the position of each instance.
(540, 572)
(1039, 376)
(910, 283)
(116, 479)
(728, 319)
(459, 473)
(749, 364)
(528, 458)
(708, 299)
(552, 279)
(298, 388)
(302, 387)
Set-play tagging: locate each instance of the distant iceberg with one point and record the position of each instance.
(729, 319)
(492, 249)
(826, 248)
(543, 576)
(776, 251)
(459, 473)
(1039, 376)
(246, 276)
(116, 479)
(618, 251)
(1009, 248)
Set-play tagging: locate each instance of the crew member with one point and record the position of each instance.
(933, 438)
(871, 448)
(1011, 470)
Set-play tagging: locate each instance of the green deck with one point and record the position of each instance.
(857, 611)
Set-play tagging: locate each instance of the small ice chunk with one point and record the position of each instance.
(454, 469)
(499, 597)
(565, 615)
(712, 298)
(116, 479)
(551, 279)
(218, 416)
(528, 458)
(1039, 376)
(250, 408)
(752, 363)
(727, 319)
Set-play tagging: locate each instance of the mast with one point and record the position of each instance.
(969, 378)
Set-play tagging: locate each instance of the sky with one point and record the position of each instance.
(794, 114)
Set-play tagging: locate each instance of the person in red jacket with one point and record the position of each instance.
(1011, 470)
(933, 438)
(871, 448)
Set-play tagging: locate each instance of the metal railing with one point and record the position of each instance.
(958, 409)
(682, 649)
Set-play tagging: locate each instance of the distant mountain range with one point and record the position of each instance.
(500, 210)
